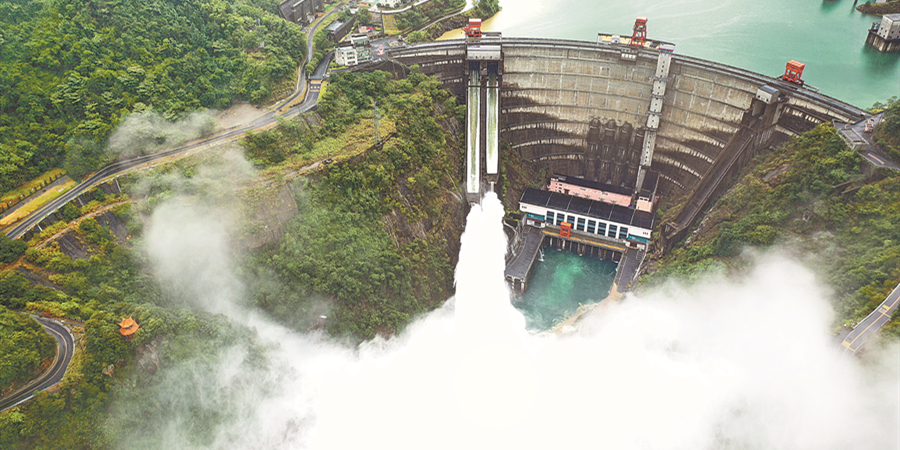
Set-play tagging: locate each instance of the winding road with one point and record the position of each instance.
(872, 323)
(65, 347)
(260, 123)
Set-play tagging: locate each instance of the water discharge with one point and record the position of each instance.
(721, 364)
(748, 365)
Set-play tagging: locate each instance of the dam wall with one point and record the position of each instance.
(581, 109)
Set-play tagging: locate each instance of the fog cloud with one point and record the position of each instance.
(745, 364)
(147, 132)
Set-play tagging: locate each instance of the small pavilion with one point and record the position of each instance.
(128, 327)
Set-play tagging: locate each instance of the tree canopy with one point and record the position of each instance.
(71, 69)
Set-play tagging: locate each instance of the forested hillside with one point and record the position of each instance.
(24, 345)
(817, 198)
(71, 69)
(379, 232)
(373, 247)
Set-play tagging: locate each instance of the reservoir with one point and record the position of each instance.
(828, 36)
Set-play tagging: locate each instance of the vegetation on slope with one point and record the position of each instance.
(374, 241)
(887, 133)
(805, 196)
(100, 287)
(418, 15)
(482, 10)
(24, 345)
(70, 70)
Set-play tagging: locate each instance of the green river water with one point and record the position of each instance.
(762, 35)
(560, 284)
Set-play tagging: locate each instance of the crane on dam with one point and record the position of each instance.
(793, 71)
(639, 36)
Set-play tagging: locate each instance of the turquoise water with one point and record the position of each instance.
(762, 35)
(560, 284)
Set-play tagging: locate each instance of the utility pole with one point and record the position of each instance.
(377, 116)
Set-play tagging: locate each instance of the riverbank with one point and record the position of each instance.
(880, 9)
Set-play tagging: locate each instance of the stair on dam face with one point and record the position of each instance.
(711, 180)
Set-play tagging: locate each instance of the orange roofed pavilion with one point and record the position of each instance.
(128, 326)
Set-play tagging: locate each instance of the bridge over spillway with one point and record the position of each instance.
(591, 109)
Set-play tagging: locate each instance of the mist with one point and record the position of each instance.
(718, 364)
(147, 132)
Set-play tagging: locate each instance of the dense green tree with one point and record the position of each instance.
(487, 8)
(24, 345)
(364, 17)
(71, 70)
(887, 133)
(11, 249)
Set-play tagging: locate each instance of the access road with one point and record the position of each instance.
(65, 347)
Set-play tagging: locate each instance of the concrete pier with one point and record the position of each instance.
(885, 35)
(519, 268)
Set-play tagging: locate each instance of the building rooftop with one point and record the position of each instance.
(128, 326)
(334, 26)
(588, 208)
(592, 184)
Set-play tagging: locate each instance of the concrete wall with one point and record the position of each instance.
(579, 109)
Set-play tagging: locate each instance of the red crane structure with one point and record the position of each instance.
(565, 230)
(473, 29)
(639, 37)
(793, 71)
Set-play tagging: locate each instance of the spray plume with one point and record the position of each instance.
(720, 364)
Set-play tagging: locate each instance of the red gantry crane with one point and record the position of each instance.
(639, 37)
(473, 29)
(793, 71)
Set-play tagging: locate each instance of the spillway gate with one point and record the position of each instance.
(484, 58)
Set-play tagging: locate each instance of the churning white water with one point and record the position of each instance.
(721, 364)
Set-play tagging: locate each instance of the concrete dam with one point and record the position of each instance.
(606, 111)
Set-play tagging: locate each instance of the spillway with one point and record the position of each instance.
(473, 138)
(492, 153)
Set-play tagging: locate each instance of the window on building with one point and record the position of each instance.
(580, 225)
(623, 233)
(592, 226)
(601, 228)
(571, 219)
(550, 217)
(612, 231)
